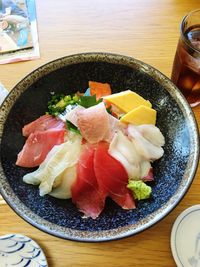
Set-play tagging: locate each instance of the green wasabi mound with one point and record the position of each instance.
(139, 189)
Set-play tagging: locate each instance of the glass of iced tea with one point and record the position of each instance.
(186, 67)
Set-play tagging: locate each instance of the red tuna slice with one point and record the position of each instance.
(85, 191)
(94, 124)
(43, 123)
(125, 201)
(37, 146)
(112, 177)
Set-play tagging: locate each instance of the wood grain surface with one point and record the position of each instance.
(145, 29)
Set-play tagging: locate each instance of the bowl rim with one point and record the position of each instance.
(106, 235)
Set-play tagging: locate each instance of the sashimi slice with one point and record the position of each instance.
(123, 150)
(132, 170)
(85, 191)
(93, 123)
(43, 123)
(37, 146)
(124, 200)
(114, 125)
(99, 89)
(63, 189)
(152, 134)
(112, 177)
(146, 170)
(60, 158)
(145, 148)
(72, 115)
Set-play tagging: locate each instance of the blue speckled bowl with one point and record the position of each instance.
(174, 172)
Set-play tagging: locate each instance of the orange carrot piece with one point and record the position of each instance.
(99, 89)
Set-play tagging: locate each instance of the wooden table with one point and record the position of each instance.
(147, 30)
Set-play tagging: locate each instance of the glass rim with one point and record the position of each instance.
(182, 30)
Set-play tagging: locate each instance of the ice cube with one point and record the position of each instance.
(187, 83)
(196, 87)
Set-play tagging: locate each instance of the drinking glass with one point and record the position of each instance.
(186, 66)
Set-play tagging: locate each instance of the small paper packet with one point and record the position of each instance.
(18, 31)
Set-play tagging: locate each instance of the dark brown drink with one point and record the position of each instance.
(186, 67)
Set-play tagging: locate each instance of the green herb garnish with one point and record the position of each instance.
(58, 103)
(72, 127)
(88, 101)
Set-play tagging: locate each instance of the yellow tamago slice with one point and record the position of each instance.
(127, 100)
(140, 115)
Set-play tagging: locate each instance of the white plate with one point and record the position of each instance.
(185, 238)
(19, 250)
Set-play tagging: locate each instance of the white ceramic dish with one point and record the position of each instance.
(19, 250)
(185, 238)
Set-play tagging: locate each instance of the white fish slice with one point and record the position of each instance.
(59, 158)
(63, 190)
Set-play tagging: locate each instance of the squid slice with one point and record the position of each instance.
(58, 159)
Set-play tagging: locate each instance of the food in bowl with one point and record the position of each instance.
(93, 145)
(173, 173)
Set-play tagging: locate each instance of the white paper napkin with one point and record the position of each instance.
(3, 93)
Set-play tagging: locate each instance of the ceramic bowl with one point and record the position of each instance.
(173, 173)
